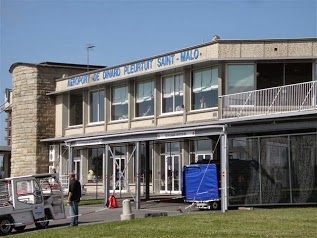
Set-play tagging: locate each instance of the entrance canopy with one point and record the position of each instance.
(157, 133)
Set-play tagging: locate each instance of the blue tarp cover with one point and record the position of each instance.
(200, 182)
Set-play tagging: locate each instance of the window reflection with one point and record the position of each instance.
(119, 103)
(144, 102)
(172, 93)
(240, 78)
(75, 108)
(205, 88)
(96, 103)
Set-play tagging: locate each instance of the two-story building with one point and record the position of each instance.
(248, 106)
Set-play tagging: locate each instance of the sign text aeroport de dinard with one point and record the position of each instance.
(138, 67)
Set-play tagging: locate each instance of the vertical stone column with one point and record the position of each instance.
(25, 122)
(33, 115)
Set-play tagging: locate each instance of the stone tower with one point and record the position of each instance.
(33, 113)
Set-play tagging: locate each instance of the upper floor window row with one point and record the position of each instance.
(249, 77)
(203, 95)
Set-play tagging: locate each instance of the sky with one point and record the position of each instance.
(35, 31)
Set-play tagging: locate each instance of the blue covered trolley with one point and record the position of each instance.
(200, 185)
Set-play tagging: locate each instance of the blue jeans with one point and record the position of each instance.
(73, 212)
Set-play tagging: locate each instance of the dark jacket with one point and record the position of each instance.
(75, 189)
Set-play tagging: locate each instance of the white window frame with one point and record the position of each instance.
(152, 97)
(98, 106)
(173, 93)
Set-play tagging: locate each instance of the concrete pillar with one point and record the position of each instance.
(126, 210)
(70, 160)
(84, 166)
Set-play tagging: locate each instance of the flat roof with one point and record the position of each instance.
(5, 149)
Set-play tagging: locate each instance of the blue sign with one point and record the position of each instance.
(138, 67)
(78, 80)
(141, 66)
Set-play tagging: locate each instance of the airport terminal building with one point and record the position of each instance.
(248, 106)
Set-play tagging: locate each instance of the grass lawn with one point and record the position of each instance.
(283, 222)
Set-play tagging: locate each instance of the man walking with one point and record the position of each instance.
(73, 199)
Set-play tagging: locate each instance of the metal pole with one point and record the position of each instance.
(87, 59)
(105, 175)
(89, 47)
(224, 172)
(70, 160)
(147, 170)
(138, 174)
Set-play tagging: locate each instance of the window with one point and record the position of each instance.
(119, 103)
(95, 164)
(144, 101)
(240, 78)
(298, 73)
(279, 74)
(75, 108)
(201, 151)
(205, 88)
(172, 93)
(96, 106)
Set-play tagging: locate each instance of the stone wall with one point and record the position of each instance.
(33, 116)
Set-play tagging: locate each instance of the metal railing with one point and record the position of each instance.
(283, 99)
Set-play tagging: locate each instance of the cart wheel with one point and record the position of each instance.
(215, 205)
(19, 228)
(42, 223)
(5, 225)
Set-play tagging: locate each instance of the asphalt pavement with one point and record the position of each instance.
(98, 213)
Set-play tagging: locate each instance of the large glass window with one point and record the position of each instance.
(304, 168)
(75, 108)
(240, 78)
(201, 151)
(205, 88)
(298, 73)
(275, 185)
(119, 103)
(95, 164)
(273, 170)
(96, 106)
(144, 102)
(173, 93)
(271, 75)
(244, 171)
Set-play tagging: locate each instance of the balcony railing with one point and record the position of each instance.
(285, 99)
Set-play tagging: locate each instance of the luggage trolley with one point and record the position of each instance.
(200, 185)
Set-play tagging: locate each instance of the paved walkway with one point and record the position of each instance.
(90, 214)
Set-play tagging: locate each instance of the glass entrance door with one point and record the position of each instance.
(171, 175)
(119, 174)
(77, 168)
